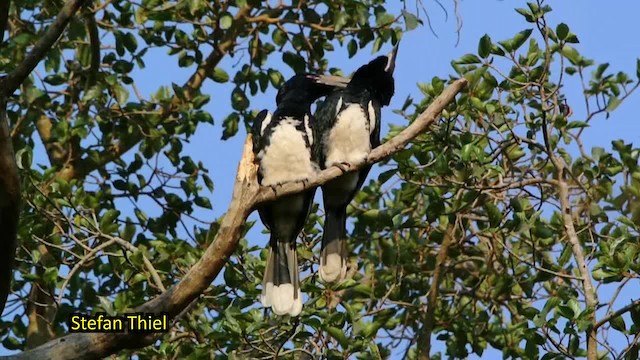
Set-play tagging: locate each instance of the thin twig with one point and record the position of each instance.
(40, 49)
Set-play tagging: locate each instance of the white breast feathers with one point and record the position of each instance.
(348, 141)
(287, 157)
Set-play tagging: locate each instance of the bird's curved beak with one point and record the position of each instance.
(391, 59)
(332, 80)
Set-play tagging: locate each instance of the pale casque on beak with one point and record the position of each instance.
(391, 59)
(333, 80)
(341, 82)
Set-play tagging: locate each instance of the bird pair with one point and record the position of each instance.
(292, 145)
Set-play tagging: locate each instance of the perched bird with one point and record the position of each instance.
(283, 148)
(347, 128)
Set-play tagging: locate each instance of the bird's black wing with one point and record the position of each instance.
(375, 134)
(257, 129)
(324, 120)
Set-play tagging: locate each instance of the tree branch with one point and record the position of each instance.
(424, 345)
(612, 315)
(20, 73)
(392, 146)
(247, 194)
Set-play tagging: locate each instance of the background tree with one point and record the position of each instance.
(495, 229)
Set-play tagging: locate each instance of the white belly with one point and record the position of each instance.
(348, 141)
(287, 158)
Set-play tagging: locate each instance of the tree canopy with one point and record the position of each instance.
(494, 228)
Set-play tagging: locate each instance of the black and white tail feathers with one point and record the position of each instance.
(284, 154)
(283, 147)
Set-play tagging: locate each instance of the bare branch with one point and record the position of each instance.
(612, 315)
(20, 73)
(246, 195)
(424, 343)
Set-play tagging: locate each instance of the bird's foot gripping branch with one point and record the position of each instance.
(247, 195)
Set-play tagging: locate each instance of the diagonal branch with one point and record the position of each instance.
(20, 73)
(424, 343)
(612, 315)
(395, 144)
(247, 194)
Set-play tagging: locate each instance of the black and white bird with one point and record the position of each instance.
(347, 128)
(282, 143)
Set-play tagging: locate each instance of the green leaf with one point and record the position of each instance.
(50, 275)
(108, 218)
(339, 335)
(494, 214)
(352, 48)
(130, 42)
(203, 202)
(577, 125)
(571, 54)
(562, 31)
(279, 37)
(128, 231)
(239, 100)
(618, 323)
(11, 343)
(340, 19)
(484, 46)
(520, 38)
(527, 14)
(377, 44)
(469, 59)
(295, 62)
(230, 125)
(225, 21)
(410, 20)
(107, 305)
(613, 104)
(122, 94)
(24, 158)
(219, 75)
(93, 93)
(345, 284)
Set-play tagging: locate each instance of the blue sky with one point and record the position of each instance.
(607, 33)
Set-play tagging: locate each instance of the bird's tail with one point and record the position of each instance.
(333, 255)
(281, 281)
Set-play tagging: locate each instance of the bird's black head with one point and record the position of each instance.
(303, 89)
(377, 77)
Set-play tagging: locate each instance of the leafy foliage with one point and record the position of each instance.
(496, 229)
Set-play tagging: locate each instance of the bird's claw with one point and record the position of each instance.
(274, 187)
(344, 166)
(305, 182)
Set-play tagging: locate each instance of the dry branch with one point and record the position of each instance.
(612, 315)
(424, 344)
(246, 195)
